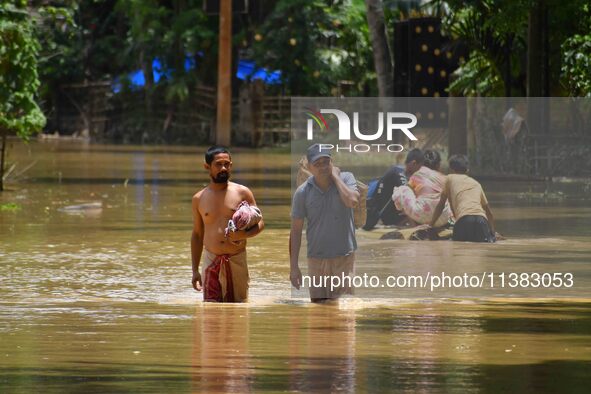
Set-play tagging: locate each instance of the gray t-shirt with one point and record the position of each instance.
(330, 228)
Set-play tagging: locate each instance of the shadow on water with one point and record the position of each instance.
(558, 226)
(379, 375)
(571, 325)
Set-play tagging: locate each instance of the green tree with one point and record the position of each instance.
(80, 41)
(501, 33)
(19, 82)
(169, 31)
(315, 44)
(576, 68)
(495, 32)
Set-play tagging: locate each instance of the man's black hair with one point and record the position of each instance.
(432, 159)
(415, 155)
(214, 150)
(459, 164)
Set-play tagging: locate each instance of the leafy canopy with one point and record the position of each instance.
(18, 71)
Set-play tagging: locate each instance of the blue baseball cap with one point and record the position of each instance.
(316, 152)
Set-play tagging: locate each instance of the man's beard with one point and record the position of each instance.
(221, 177)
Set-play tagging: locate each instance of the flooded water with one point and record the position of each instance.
(96, 293)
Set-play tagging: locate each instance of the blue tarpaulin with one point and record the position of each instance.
(247, 70)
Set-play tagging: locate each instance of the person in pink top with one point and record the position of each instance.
(420, 196)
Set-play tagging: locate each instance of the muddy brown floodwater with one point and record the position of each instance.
(95, 291)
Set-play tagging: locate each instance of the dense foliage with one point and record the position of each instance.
(19, 83)
(496, 33)
(321, 47)
(576, 68)
(316, 44)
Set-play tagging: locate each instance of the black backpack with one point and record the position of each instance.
(379, 198)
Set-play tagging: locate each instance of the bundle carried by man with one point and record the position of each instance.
(245, 217)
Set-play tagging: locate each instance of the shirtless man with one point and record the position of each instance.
(225, 273)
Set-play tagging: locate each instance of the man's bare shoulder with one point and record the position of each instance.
(239, 188)
(197, 196)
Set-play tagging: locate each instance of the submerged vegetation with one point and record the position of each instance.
(9, 207)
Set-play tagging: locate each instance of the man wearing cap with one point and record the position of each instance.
(325, 201)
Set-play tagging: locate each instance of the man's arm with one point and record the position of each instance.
(349, 196)
(438, 209)
(490, 218)
(254, 230)
(295, 241)
(486, 207)
(196, 243)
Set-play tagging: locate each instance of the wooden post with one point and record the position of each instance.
(224, 99)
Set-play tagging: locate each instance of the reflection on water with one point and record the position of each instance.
(99, 300)
(222, 361)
